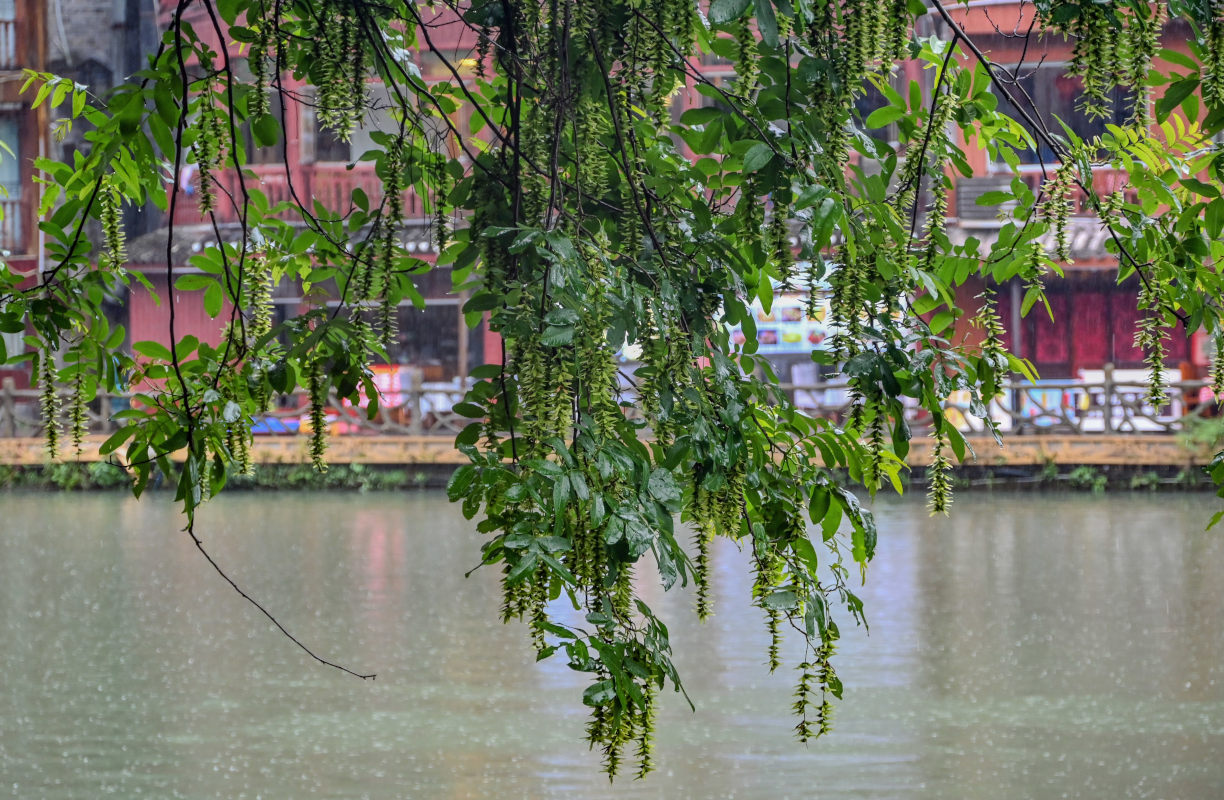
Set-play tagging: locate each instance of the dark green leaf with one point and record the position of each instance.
(1174, 95)
(724, 11)
(757, 157)
(767, 22)
(266, 129)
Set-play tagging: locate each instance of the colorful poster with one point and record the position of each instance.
(787, 326)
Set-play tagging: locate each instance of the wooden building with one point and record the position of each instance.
(315, 164)
(1094, 317)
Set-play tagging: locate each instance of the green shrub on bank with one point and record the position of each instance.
(78, 476)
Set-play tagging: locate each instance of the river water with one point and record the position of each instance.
(1028, 647)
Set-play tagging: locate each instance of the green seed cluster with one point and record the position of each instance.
(342, 85)
(1217, 366)
(1213, 62)
(1150, 337)
(114, 252)
(259, 59)
(1114, 46)
(939, 479)
(318, 414)
(49, 402)
(1056, 209)
(987, 320)
(209, 149)
(78, 420)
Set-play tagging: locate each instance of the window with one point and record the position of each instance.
(429, 338)
(8, 34)
(10, 184)
(713, 100)
(266, 155)
(871, 100)
(330, 147)
(1056, 96)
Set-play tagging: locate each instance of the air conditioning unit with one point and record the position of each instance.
(968, 190)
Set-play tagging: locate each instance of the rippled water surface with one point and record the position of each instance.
(1028, 647)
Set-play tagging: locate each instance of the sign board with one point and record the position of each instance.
(786, 329)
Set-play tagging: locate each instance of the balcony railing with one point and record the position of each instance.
(1105, 406)
(417, 408)
(331, 186)
(1104, 183)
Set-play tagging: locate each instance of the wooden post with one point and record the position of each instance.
(415, 425)
(461, 370)
(1107, 399)
(8, 407)
(104, 412)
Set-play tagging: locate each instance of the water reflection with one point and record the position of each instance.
(1029, 647)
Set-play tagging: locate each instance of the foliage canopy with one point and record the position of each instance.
(580, 213)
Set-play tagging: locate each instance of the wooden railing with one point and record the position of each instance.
(1106, 406)
(332, 186)
(419, 408)
(1105, 181)
(12, 229)
(1066, 407)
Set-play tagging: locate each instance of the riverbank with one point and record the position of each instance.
(1083, 462)
(1149, 450)
(101, 476)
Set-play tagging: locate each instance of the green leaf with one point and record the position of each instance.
(459, 483)
(193, 282)
(557, 335)
(1179, 58)
(994, 198)
(784, 600)
(701, 116)
(267, 130)
(1198, 187)
(901, 436)
(757, 157)
(884, 116)
(956, 440)
(214, 298)
(767, 22)
(662, 486)
(1213, 218)
(116, 439)
(599, 693)
(469, 410)
(1174, 95)
(724, 11)
(470, 434)
(831, 522)
(802, 547)
(1031, 297)
(153, 350)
